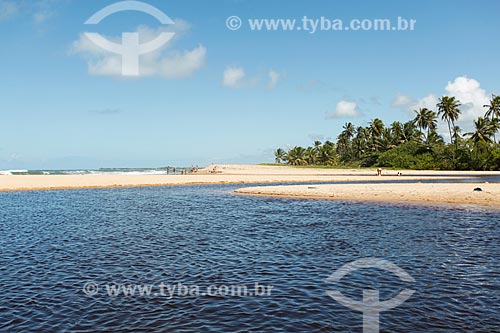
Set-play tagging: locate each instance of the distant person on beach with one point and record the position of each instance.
(379, 171)
(168, 170)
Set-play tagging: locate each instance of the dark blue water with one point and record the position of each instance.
(53, 242)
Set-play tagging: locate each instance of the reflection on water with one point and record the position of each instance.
(52, 242)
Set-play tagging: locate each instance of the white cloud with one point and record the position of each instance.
(7, 9)
(162, 62)
(401, 101)
(233, 77)
(345, 109)
(471, 95)
(177, 65)
(466, 90)
(274, 77)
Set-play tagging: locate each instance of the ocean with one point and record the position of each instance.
(80, 261)
(124, 171)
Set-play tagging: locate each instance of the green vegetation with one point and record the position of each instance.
(415, 144)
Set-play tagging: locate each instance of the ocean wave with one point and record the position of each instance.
(105, 171)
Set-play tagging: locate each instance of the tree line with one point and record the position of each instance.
(415, 144)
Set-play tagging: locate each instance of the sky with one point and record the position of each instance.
(213, 94)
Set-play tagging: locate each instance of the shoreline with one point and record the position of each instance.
(68, 182)
(427, 194)
(362, 184)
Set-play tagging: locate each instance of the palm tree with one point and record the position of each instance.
(484, 131)
(348, 130)
(425, 120)
(493, 111)
(410, 132)
(316, 150)
(482, 135)
(397, 132)
(456, 133)
(344, 147)
(376, 127)
(296, 156)
(359, 142)
(327, 154)
(448, 108)
(421, 118)
(434, 138)
(310, 156)
(279, 155)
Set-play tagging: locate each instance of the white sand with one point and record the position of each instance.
(428, 193)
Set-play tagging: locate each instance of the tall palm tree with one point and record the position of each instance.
(344, 147)
(421, 118)
(348, 130)
(397, 132)
(493, 111)
(449, 109)
(359, 142)
(279, 155)
(425, 119)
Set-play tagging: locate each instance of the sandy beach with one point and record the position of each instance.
(220, 174)
(426, 193)
(258, 174)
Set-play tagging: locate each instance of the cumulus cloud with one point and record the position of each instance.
(467, 90)
(162, 62)
(473, 98)
(345, 109)
(233, 77)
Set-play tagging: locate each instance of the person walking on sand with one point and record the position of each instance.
(379, 171)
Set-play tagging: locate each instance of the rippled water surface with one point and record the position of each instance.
(53, 242)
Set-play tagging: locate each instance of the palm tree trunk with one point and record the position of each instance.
(449, 128)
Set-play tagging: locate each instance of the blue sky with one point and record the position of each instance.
(213, 95)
